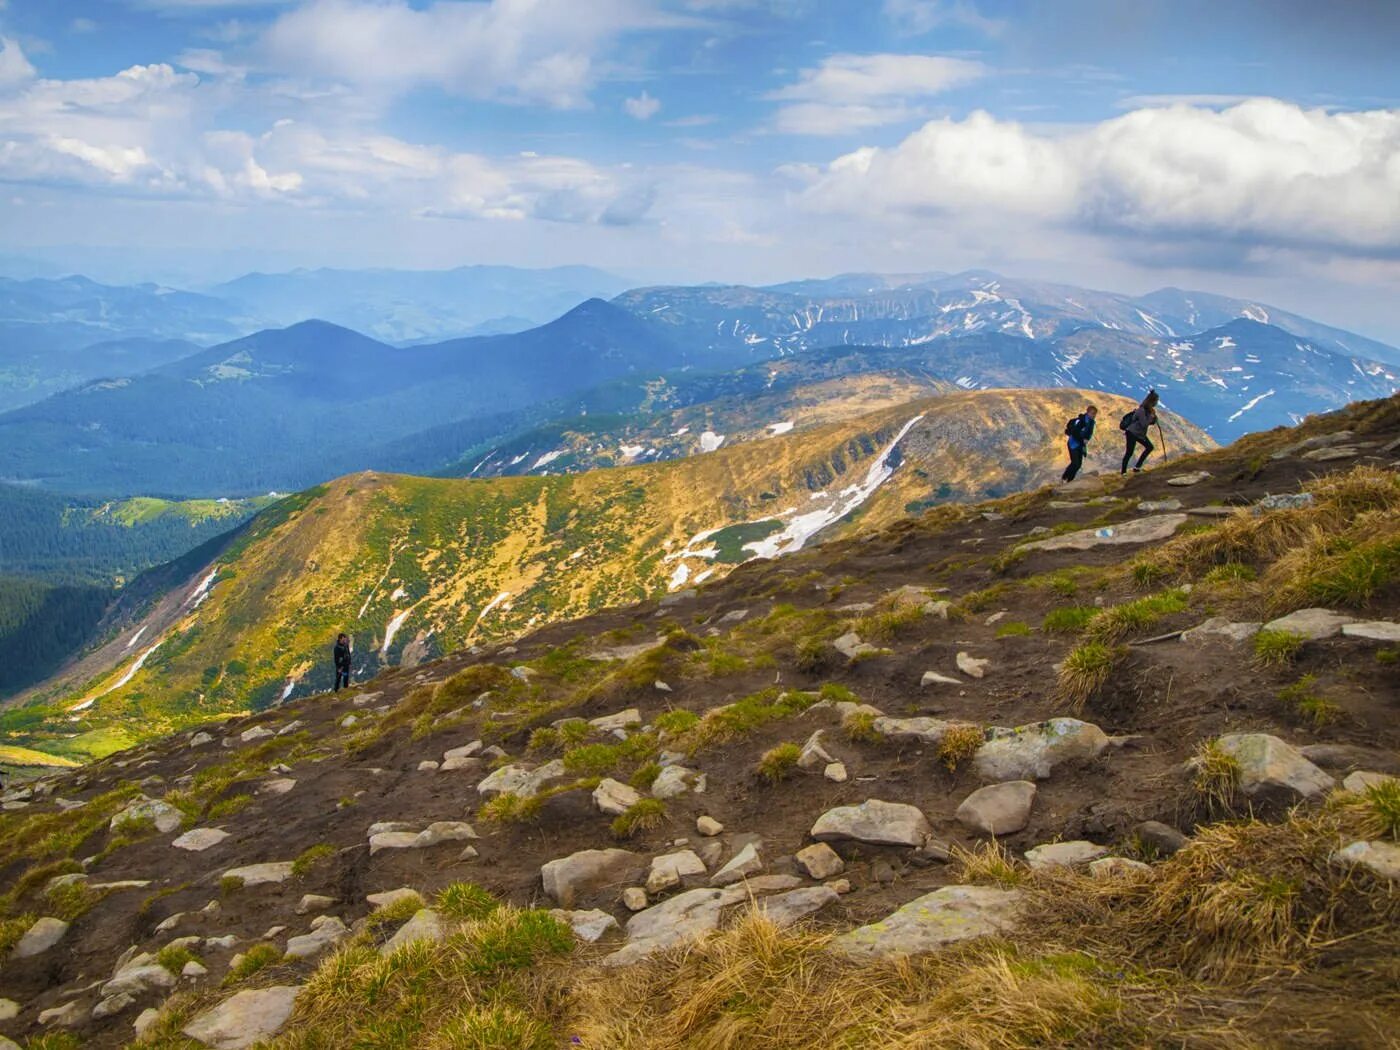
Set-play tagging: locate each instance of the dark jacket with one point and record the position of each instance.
(342, 656)
(1142, 418)
(1081, 431)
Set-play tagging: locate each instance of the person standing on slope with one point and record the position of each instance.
(1135, 426)
(1079, 430)
(342, 656)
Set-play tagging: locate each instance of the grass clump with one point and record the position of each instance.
(1086, 671)
(859, 727)
(645, 775)
(393, 915)
(958, 744)
(465, 902)
(1068, 619)
(229, 885)
(496, 1028)
(175, 957)
(887, 625)
(1304, 701)
(733, 721)
(311, 857)
(643, 815)
(1277, 647)
(12, 929)
(571, 732)
(507, 808)
(227, 807)
(1215, 776)
(988, 862)
(1381, 810)
(70, 900)
(257, 958)
(778, 762)
(54, 1041)
(600, 759)
(814, 655)
(676, 721)
(1013, 629)
(1119, 621)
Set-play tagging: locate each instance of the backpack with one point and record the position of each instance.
(1126, 420)
(1072, 427)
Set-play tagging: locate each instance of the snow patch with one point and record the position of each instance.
(631, 451)
(136, 637)
(136, 665)
(780, 428)
(1225, 342)
(201, 589)
(548, 458)
(1249, 405)
(391, 629)
(710, 441)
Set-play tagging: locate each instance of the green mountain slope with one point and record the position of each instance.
(414, 567)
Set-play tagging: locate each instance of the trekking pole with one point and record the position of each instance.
(1162, 437)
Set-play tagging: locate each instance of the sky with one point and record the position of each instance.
(1247, 147)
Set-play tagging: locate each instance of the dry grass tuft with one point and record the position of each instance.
(1215, 777)
(1086, 671)
(778, 762)
(988, 862)
(960, 743)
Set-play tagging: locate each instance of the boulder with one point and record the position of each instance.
(249, 736)
(588, 872)
(683, 917)
(1373, 630)
(245, 1018)
(1151, 529)
(1157, 506)
(69, 1015)
(875, 822)
(919, 730)
(850, 646)
(670, 869)
(39, 938)
(1031, 752)
(1220, 629)
(972, 666)
(998, 809)
(165, 816)
(392, 840)
(677, 780)
(1117, 867)
(614, 797)
(785, 909)
(1382, 859)
(1311, 624)
(326, 932)
(262, 874)
(743, 864)
(813, 754)
(426, 925)
(197, 840)
(588, 926)
(1161, 838)
(1271, 770)
(945, 916)
(1195, 477)
(622, 720)
(820, 861)
(1361, 780)
(440, 831)
(279, 786)
(708, 826)
(465, 751)
(1064, 854)
(139, 976)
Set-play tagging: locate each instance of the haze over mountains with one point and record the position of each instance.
(286, 408)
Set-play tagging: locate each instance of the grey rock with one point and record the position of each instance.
(1285, 501)
(388, 897)
(197, 840)
(1373, 630)
(245, 1018)
(785, 909)
(1157, 506)
(165, 816)
(614, 797)
(588, 871)
(621, 720)
(820, 861)
(1117, 867)
(1195, 477)
(426, 925)
(9, 1009)
(1064, 854)
(326, 933)
(1362, 780)
(1032, 752)
(1380, 858)
(850, 646)
(835, 772)
(683, 917)
(143, 974)
(998, 809)
(588, 926)
(39, 938)
(1161, 838)
(671, 869)
(945, 916)
(262, 874)
(69, 1015)
(875, 822)
(934, 678)
(1152, 529)
(113, 1005)
(465, 751)
(1351, 756)
(921, 730)
(1271, 770)
(813, 753)
(1311, 624)
(972, 666)
(1220, 629)
(279, 786)
(677, 780)
(708, 826)
(634, 898)
(743, 864)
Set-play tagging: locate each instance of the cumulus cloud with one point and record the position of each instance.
(1263, 171)
(850, 92)
(539, 51)
(643, 107)
(14, 67)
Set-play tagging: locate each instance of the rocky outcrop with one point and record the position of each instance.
(875, 822)
(943, 917)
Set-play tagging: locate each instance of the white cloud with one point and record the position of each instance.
(1263, 172)
(14, 67)
(851, 92)
(540, 51)
(83, 25)
(643, 107)
(924, 16)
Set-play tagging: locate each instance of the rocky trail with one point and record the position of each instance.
(986, 721)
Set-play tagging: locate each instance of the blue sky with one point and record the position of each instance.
(1244, 146)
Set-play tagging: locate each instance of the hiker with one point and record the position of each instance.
(342, 655)
(1134, 427)
(1079, 430)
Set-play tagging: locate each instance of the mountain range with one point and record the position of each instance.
(415, 567)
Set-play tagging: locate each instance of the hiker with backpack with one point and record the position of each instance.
(1079, 430)
(342, 655)
(1135, 426)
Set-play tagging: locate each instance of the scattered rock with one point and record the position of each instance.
(426, 925)
(163, 815)
(820, 861)
(621, 720)
(1151, 529)
(614, 797)
(1360, 780)
(113, 1005)
(687, 915)
(1219, 628)
(244, 1018)
(708, 826)
(1273, 770)
(1286, 501)
(465, 751)
(1326, 455)
(588, 871)
(517, 780)
(69, 1015)
(669, 869)
(1195, 477)
(248, 736)
(813, 754)
(197, 840)
(785, 909)
(850, 646)
(326, 932)
(835, 772)
(1311, 624)
(1373, 630)
(945, 916)
(1064, 854)
(262, 874)
(921, 730)
(1380, 858)
(998, 809)
(1116, 867)
(1157, 506)
(8, 1009)
(677, 780)
(634, 898)
(428, 765)
(388, 897)
(277, 787)
(934, 678)
(743, 864)
(972, 666)
(588, 926)
(200, 739)
(1031, 752)
(39, 938)
(875, 822)
(1161, 838)
(139, 976)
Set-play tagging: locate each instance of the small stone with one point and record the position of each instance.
(588, 871)
(1117, 867)
(348, 721)
(261, 874)
(614, 797)
(588, 926)
(677, 780)
(1064, 854)
(1273, 770)
(1221, 629)
(972, 666)
(468, 853)
(163, 815)
(1195, 477)
(934, 678)
(1361, 780)
(785, 909)
(841, 886)
(197, 840)
(813, 754)
(670, 869)
(248, 736)
(820, 861)
(392, 840)
(1157, 506)
(389, 897)
(875, 822)
(328, 931)
(835, 772)
(622, 720)
(245, 1018)
(1032, 752)
(427, 766)
(1373, 631)
(1160, 838)
(144, 1022)
(1311, 624)
(39, 938)
(8, 1009)
(193, 971)
(465, 751)
(1380, 858)
(708, 826)
(744, 863)
(425, 925)
(69, 1015)
(440, 831)
(999, 809)
(634, 898)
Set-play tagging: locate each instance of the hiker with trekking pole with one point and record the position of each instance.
(1135, 426)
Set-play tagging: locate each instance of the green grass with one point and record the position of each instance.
(859, 726)
(602, 759)
(229, 885)
(676, 722)
(12, 929)
(645, 775)
(1118, 621)
(175, 957)
(643, 815)
(1304, 701)
(1013, 629)
(393, 915)
(495, 1028)
(1277, 647)
(960, 743)
(1086, 671)
(311, 857)
(465, 902)
(1351, 574)
(1231, 572)
(814, 654)
(742, 717)
(509, 809)
(71, 900)
(1068, 619)
(779, 762)
(569, 733)
(1382, 810)
(1215, 777)
(256, 958)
